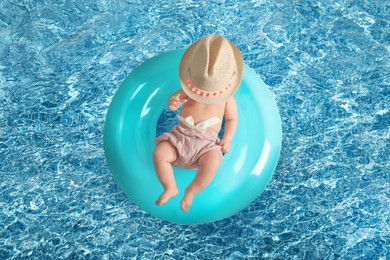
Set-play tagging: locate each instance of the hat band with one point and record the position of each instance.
(200, 92)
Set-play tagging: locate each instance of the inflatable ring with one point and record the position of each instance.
(130, 130)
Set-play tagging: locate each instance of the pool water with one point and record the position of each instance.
(327, 64)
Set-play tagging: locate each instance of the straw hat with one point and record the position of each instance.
(211, 70)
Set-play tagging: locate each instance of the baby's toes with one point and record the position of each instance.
(186, 202)
(184, 206)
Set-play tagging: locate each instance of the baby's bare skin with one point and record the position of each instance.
(165, 153)
(201, 112)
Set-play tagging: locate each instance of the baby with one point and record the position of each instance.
(210, 72)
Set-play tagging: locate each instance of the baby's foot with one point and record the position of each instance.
(186, 202)
(166, 195)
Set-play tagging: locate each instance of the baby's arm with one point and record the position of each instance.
(231, 117)
(176, 99)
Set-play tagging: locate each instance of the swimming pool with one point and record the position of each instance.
(327, 65)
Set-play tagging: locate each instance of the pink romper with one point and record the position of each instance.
(191, 141)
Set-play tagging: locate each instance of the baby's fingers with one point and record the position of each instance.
(177, 97)
(176, 103)
(225, 147)
(222, 143)
(180, 100)
(173, 107)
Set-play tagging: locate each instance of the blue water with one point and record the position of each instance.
(327, 64)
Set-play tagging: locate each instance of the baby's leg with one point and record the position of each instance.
(163, 155)
(208, 165)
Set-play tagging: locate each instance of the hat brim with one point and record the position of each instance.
(236, 80)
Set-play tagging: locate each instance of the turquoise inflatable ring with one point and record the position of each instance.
(130, 130)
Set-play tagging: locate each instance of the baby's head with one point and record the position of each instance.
(211, 70)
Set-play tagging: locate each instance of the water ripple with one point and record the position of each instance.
(326, 63)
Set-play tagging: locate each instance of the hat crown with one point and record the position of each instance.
(212, 63)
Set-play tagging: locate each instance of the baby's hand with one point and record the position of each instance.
(225, 145)
(175, 102)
